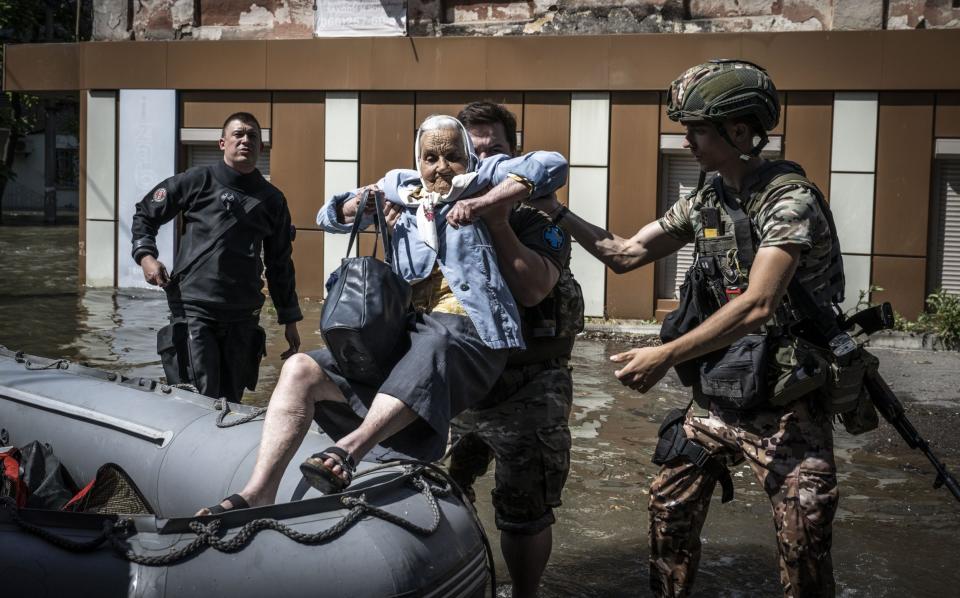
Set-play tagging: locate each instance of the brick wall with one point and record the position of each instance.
(283, 19)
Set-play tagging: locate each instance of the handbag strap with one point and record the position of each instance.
(380, 222)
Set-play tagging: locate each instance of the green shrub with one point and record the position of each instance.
(941, 317)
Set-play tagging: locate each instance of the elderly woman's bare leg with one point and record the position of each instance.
(387, 416)
(302, 383)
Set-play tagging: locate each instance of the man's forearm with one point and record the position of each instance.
(613, 250)
(528, 274)
(730, 323)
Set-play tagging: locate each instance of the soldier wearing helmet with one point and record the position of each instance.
(767, 264)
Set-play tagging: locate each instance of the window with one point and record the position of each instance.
(68, 168)
(204, 154)
(947, 214)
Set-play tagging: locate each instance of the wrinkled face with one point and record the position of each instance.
(441, 158)
(241, 145)
(489, 140)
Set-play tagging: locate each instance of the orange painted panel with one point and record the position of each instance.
(386, 133)
(903, 280)
(634, 151)
(546, 117)
(124, 65)
(808, 134)
(904, 155)
(214, 65)
(41, 67)
(295, 165)
(451, 102)
(208, 109)
(947, 123)
(307, 261)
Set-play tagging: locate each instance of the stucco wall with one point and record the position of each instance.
(285, 19)
(218, 19)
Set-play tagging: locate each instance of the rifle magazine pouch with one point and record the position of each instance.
(800, 370)
(845, 382)
(736, 377)
(862, 417)
(171, 345)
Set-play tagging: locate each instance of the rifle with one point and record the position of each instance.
(870, 320)
(892, 410)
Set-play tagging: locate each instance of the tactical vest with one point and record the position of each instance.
(551, 327)
(773, 364)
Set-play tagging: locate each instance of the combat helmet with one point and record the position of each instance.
(721, 89)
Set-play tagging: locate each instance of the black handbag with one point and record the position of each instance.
(366, 315)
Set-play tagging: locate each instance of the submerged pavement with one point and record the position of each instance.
(894, 534)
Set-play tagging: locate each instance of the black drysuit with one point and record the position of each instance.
(215, 294)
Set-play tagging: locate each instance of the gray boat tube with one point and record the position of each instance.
(168, 442)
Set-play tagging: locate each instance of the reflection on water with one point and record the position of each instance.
(895, 535)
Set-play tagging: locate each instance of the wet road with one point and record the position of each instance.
(894, 534)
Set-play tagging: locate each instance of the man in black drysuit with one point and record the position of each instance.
(229, 213)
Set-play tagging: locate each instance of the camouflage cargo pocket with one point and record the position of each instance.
(555, 443)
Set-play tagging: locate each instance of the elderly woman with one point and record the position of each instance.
(467, 320)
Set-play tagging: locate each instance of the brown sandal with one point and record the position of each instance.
(236, 502)
(322, 477)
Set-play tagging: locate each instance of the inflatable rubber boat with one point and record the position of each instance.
(399, 530)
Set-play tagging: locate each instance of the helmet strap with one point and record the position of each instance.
(754, 151)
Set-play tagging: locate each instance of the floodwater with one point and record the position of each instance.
(894, 534)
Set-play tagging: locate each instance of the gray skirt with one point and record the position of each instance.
(446, 369)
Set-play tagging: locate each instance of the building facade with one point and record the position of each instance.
(873, 115)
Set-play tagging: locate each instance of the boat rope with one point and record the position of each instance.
(116, 531)
(224, 408)
(430, 480)
(59, 364)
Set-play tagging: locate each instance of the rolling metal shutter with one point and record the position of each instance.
(948, 241)
(680, 176)
(205, 155)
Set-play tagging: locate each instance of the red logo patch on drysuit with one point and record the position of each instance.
(160, 194)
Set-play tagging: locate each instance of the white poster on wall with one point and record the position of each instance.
(147, 155)
(361, 18)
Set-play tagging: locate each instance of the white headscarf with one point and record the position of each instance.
(426, 201)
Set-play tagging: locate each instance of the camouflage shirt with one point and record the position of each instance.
(790, 215)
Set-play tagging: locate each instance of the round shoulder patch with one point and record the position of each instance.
(554, 237)
(159, 195)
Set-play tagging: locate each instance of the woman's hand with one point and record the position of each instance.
(465, 211)
(391, 212)
(348, 209)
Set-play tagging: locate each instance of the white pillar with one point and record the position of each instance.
(147, 146)
(341, 163)
(589, 162)
(852, 183)
(101, 198)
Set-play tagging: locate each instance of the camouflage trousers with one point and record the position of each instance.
(524, 426)
(790, 450)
